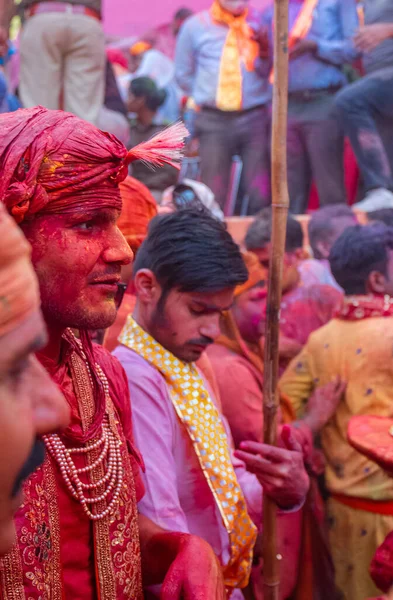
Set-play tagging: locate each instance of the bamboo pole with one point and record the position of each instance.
(280, 204)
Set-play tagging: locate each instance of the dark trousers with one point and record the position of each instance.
(223, 135)
(315, 151)
(366, 112)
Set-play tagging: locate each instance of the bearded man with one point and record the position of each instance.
(194, 483)
(30, 403)
(79, 532)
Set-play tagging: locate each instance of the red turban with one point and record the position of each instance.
(139, 207)
(52, 162)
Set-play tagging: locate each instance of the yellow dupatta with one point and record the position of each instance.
(200, 417)
(239, 48)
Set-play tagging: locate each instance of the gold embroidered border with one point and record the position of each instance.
(56, 590)
(11, 576)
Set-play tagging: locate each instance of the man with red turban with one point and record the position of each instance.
(79, 532)
(30, 403)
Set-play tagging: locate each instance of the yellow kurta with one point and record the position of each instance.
(361, 353)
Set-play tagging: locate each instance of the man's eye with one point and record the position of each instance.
(197, 311)
(86, 226)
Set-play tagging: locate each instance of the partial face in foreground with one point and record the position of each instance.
(184, 323)
(236, 7)
(78, 259)
(30, 405)
(249, 313)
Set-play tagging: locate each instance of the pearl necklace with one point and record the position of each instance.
(109, 446)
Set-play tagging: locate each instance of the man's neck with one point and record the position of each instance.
(146, 117)
(53, 348)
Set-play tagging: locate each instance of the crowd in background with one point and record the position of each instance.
(214, 69)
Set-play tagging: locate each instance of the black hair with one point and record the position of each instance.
(383, 215)
(145, 87)
(321, 226)
(184, 196)
(259, 233)
(191, 251)
(182, 14)
(359, 251)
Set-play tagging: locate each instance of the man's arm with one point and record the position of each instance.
(336, 52)
(297, 382)
(370, 36)
(185, 60)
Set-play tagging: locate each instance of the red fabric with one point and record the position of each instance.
(351, 172)
(75, 530)
(381, 569)
(52, 162)
(378, 507)
(355, 308)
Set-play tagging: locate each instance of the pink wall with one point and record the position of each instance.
(133, 17)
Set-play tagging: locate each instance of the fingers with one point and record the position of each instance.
(256, 464)
(290, 441)
(172, 587)
(264, 451)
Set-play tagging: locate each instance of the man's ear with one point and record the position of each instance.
(376, 282)
(147, 287)
(323, 249)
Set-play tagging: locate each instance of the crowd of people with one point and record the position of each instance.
(133, 324)
(214, 69)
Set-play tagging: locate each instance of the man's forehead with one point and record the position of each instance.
(214, 301)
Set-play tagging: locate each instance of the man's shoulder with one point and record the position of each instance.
(227, 363)
(135, 366)
(197, 21)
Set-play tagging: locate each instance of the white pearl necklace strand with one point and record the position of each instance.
(109, 444)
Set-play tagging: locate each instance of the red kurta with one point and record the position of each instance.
(77, 547)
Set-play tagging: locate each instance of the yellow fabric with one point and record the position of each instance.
(202, 421)
(301, 26)
(360, 352)
(239, 49)
(354, 537)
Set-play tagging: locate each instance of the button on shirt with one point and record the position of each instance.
(378, 11)
(334, 25)
(198, 56)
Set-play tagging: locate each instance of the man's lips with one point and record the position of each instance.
(109, 283)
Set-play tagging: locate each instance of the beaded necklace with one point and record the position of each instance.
(109, 460)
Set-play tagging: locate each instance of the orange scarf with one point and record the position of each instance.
(239, 49)
(301, 26)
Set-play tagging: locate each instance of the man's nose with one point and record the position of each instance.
(118, 251)
(49, 407)
(211, 327)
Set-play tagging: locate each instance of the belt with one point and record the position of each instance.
(61, 7)
(232, 113)
(313, 94)
(382, 507)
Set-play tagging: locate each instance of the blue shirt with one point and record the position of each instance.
(197, 62)
(334, 24)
